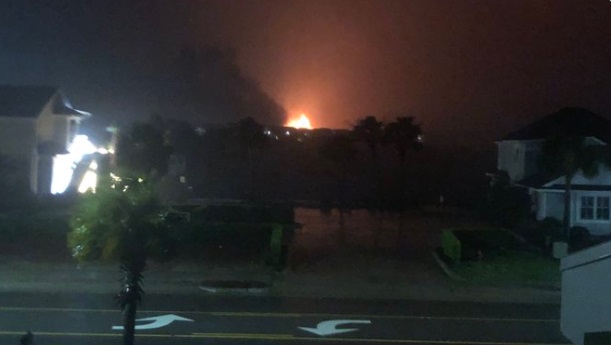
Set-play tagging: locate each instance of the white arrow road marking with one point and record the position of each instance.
(328, 327)
(158, 322)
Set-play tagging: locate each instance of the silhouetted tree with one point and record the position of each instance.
(405, 135)
(371, 131)
(142, 149)
(340, 151)
(250, 137)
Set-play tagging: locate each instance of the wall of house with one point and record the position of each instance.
(550, 204)
(596, 227)
(586, 302)
(55, 128)
(18, 142)
(17, 136)
(532, 155)
(519, 159)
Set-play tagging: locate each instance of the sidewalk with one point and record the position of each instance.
(340, 278)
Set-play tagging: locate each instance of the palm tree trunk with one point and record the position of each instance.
(567, 207)
(401, 200)
(251, 165)
(131, 293)
(380, 228)
(342, 205)
(379, 202)
(129, 323)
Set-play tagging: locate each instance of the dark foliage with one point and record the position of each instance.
(507, 206)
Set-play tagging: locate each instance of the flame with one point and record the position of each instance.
(301, 122)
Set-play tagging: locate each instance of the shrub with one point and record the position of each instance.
(275, 256)
(472, 244)
(579, 238)
(514, 268)
(485, 242)
(506, 205)
(451, 245)
(239, 230)
(547, 231)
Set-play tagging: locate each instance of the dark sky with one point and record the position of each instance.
(470, 71)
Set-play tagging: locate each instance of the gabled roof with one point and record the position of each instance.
(578, 122)
(536, 180)
(64, 107)
(25, 101)
(581, 181)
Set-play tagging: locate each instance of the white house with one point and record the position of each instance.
(36, 124)
(519, 154)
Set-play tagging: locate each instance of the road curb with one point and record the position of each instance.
(446, 269)
(236, 287)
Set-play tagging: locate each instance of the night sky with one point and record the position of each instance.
(470, 71)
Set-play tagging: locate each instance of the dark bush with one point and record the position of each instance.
(506, 205)
(542, 233)
(237, 230)
(579, 238)
(451, 246)
(478, 244)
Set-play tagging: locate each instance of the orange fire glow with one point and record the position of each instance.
(301, 122)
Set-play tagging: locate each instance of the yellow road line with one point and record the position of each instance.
(284, 315)
(266, 336)
(279, 337)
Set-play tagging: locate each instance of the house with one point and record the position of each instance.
(519, 154)
(37, 123)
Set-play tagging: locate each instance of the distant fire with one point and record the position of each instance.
(301, 122)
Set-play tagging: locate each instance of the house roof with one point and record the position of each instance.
(581, 187)
(573, 121)
(540, 181)
(536, 180)
(26, 101)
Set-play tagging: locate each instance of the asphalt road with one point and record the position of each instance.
(63, 319)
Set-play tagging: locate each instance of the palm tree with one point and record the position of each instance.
(340, 151)
(371, 131)
(565, 155)
(123, 222)
(250, 136)
(405, 135)
(142, 149)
